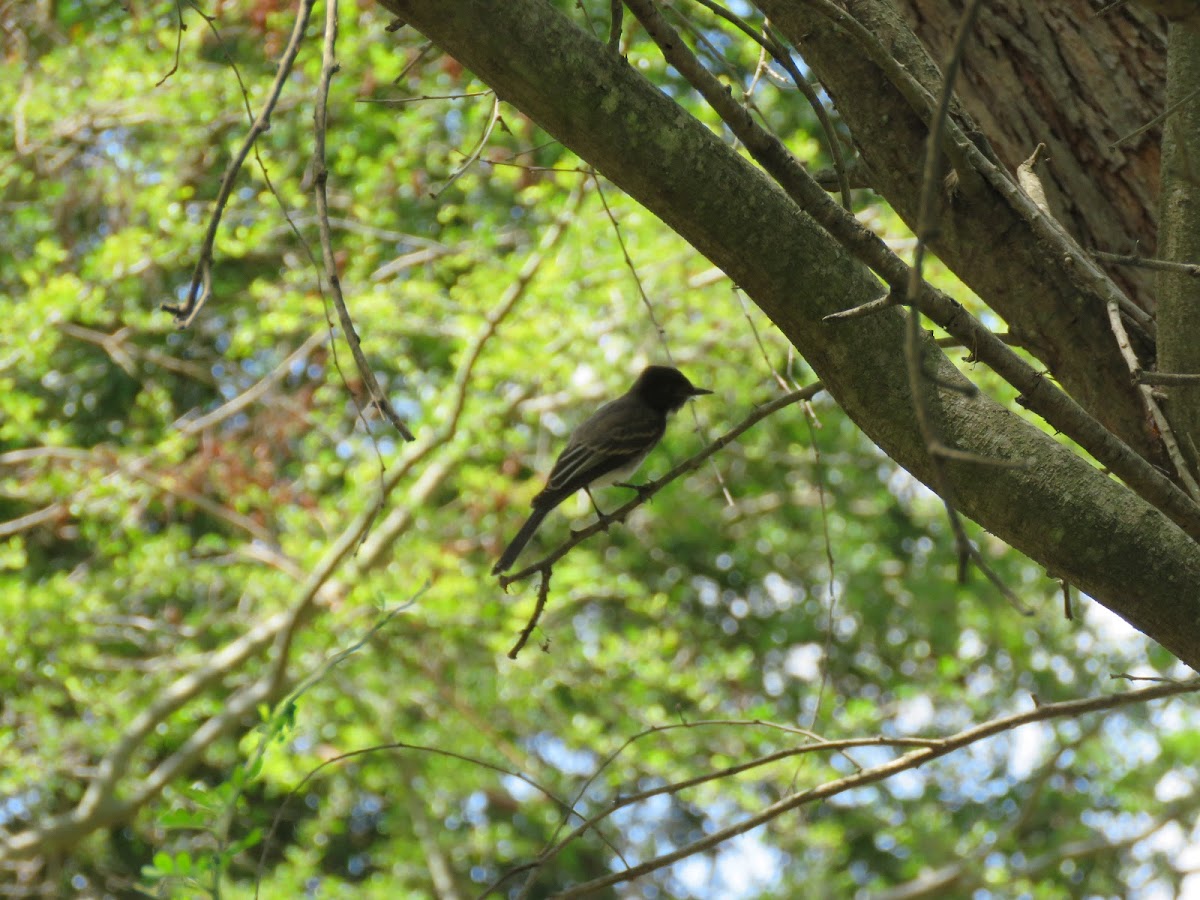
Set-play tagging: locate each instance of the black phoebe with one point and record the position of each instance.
(608, 447)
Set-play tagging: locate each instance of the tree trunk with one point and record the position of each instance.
(984, 241)
(1058, 74)
(1179, 293)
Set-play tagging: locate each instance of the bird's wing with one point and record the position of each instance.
(616, 435)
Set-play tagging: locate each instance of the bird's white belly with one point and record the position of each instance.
(622, 474)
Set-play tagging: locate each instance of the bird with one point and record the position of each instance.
(608, 447)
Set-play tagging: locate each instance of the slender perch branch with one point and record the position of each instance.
(644, 493)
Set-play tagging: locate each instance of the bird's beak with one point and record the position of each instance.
(696, 392)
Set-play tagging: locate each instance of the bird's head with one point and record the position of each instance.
(665, 388)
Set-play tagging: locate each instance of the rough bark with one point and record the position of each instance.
(980, 237)
(1179, 294)
(1058, 509)
(1087, 85)
(1059, 74)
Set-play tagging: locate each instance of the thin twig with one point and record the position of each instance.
(1150, 402)
(1163, 265)
(180, 29)
(400, 101)
(762, 349)
(202, 274)
(475, 153)
(947, 343)
(810, 419)
(542, 595)
(887, 301)
(421, 53)
(1157, 120)
(1177, 378)
(632, 267)
(122, 351)
(254, 393)
(329, 66)
(770, 41)
(662, 332)
(761, 68)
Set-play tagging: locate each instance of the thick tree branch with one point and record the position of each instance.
(1059, 509)
(1037, 392)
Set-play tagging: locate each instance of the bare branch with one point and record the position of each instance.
(1037, 392)
(926, 226)
(328, 67)
(1151, 403)
(1175, 378)
(401, 101)
(1157, 120)
(475, 153)
(542, 595)
(770, 43)
(887, 301)
(202, 274)
(1163, 265)
(123, 352)
(254, 393)
(911, 760)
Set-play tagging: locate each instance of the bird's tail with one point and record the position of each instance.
(517, 544)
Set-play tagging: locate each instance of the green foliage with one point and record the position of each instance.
(142, 550)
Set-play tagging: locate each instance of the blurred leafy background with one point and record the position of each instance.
(172, 547)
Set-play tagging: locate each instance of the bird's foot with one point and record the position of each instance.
(643, 490)
(601, 513)
(603, 521)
